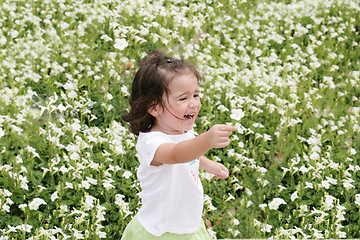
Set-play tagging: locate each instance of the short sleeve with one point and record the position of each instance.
(148, 144)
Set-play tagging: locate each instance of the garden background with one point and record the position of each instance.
(286, 73)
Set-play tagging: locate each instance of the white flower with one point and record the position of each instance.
(144, 31)
(54, 196)
(6, 208)
(89, 202)
(101, 234)
(6, 192)
(3, 40)
(127, 174)
(314, 141)
(120, 44)
(63, 209)
(275, 203)
(211, 232)
(325, 184)
(328, 204)
(107, 183)
(35, 203)
(119, 199)
(316, 148)
(248, 191)
(303, 169)
(237, 114)
(91, 180)
(231, 197)
(303, 209)
(9, 201)
(317, 234)
(352, 151)
(347, 184)
(78, 234)
(357, 199)
(33, 151)
(25, 227)
(341, 234)
(309, 185)
(266, 227)
(72, 94)
(340, 213)
(267, 137)
(22, 206)
(2, 132)
(106, 38)
(236, 222)
(262, 206)
(314, 156)
(124, 90)
(222, 108)
(85, 184)
(109, 96)
(294, 196)
(331, 180)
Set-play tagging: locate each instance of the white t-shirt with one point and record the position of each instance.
(172, 194)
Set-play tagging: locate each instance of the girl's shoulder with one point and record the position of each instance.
(153, 135)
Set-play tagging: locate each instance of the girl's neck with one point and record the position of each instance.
(157, 128)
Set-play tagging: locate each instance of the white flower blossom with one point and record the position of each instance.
(353, 151)
(294, 196)
(35, 203)
(127, 174)
(357, 199)
(237, 114)
(25, 227)
(120, 44)
(275, 203)
(2, 132)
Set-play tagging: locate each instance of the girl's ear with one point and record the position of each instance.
(154, 110)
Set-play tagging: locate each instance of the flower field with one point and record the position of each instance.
(286, 73)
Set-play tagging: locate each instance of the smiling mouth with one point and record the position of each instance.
(189, 116)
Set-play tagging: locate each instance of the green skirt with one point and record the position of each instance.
(135, 231)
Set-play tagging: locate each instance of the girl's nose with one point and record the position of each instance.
(194, 102)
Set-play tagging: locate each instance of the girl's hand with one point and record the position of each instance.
(218, 135)
(219, 170)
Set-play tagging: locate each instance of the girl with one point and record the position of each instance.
(164, 105)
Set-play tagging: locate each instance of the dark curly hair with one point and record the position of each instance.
(149, 86)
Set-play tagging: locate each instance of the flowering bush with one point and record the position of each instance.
(286, 73)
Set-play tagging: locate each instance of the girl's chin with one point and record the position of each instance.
(189, 127)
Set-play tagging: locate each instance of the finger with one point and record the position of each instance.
(229, 128)
(223, 174)
(227, 173)
(225, 139)
(224, 143)
(224, 133)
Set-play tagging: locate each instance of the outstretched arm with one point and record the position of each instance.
(186, 151)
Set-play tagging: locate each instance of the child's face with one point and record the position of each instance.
(182, 105)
